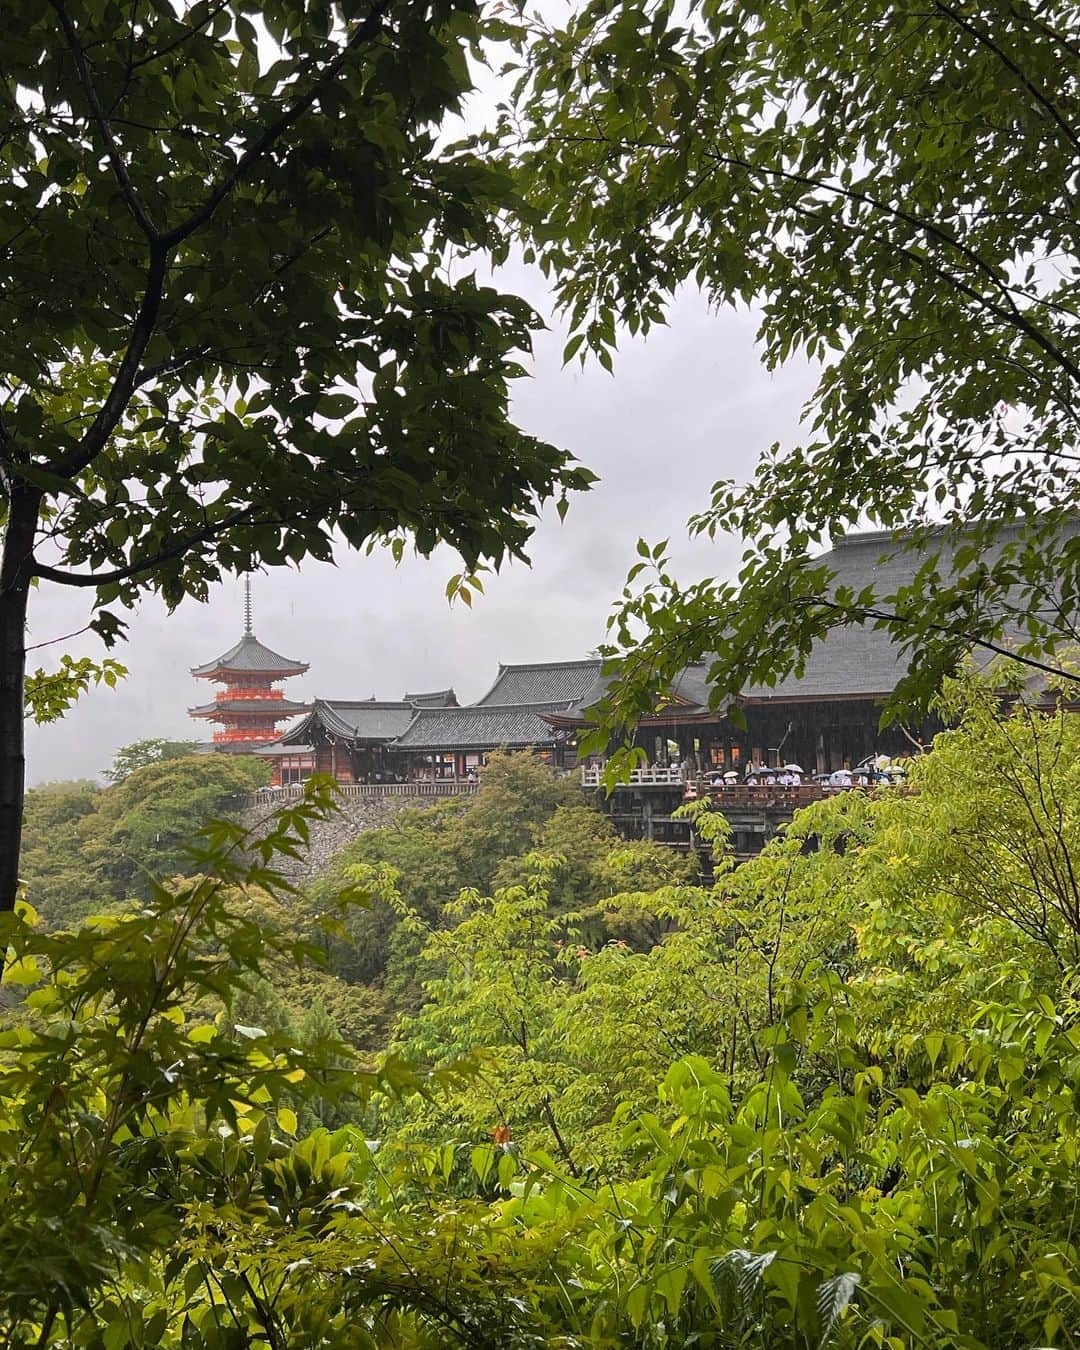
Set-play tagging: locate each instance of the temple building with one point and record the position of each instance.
(448, 743)
(826, 718)
(353, 740)
(249, 709)
(428, 737)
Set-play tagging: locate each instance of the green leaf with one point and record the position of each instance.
(572, 347)
(335, 405)
(23, 971)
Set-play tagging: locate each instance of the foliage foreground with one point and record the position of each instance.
(830, 1100)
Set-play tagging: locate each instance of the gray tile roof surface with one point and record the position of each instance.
(693, 686)
(551, 682)
(853, 662)
(691, 689)
(249, 654)
(859, 660)
(358, 719)
(438, 698)
(476, 727)
(279, 707)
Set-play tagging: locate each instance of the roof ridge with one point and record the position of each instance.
(365, 702)
(872, 537)
(905, 534)
(545, 705)
(544, 665)
(488, 707)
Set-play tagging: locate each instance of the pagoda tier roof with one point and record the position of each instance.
(277, 708)
(249, 656)
(542, 683)
(374, 720)
(439, 698)
(477, 728)
(246, 747)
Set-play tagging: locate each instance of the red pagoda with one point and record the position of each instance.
(249, 708)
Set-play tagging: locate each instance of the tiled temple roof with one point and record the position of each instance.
(859, 661)
(691, 697)
(356, 719)
(250, 656)
(549, 682)
(477, 727)
(438, 698)
(853, 662)
(277, 708)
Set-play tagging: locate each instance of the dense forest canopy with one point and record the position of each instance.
(502, 1079)
(89, 846)
(151, 750)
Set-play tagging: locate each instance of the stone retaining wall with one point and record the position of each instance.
(354, 816)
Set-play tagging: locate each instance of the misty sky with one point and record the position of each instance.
(686, 406)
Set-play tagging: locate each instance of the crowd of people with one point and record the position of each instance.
(879, 770)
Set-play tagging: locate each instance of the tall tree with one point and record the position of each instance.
(893, 186)
(227, 232)
(139, 754)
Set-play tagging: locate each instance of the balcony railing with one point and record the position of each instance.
(656, 775)
(246, 735)
(449, 787)
(764, 793)
(246, 694)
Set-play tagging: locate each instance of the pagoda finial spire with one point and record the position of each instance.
(247, 606)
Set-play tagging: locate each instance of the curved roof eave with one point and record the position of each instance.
(250, 657)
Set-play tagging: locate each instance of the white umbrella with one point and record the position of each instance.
(794, 768)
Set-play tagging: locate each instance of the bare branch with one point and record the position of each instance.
(37, 646)
(135, 569)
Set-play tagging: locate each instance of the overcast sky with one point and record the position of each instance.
(686, 406)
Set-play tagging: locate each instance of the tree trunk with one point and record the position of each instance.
(15, 572)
